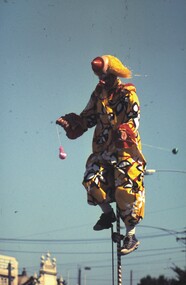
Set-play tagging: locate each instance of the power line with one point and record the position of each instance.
(22, 240)
(56, 252)
(89, 240)
(66, 241)
(163, 251)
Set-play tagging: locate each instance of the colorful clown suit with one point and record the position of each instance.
(115, 169)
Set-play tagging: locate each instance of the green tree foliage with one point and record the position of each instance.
(161, 280)
(180, 275)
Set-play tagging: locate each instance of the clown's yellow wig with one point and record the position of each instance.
(115, 66)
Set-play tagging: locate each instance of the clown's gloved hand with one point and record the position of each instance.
(62, 122)
(72, 124)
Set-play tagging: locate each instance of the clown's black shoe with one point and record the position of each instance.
(105, 221)
(130, 243)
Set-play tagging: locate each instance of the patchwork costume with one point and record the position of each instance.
(115, 169)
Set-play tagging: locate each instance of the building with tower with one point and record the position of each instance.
(47, 273)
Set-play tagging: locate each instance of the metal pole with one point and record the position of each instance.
(112, 255)
(79, 276)
(68, 277)
(9, 273)
(85, 276)
(118, 247)
(131, 281)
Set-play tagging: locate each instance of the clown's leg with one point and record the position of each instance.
(125, 203)
(98, 185)
(105, 221)
(129, 196)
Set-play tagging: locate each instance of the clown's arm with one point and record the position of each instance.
(75, 125)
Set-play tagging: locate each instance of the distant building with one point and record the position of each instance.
(8, 270)
(23, 277)
(47, 273)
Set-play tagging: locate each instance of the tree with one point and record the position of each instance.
(161, 280)
(180, 275)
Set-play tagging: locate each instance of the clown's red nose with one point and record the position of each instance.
(97, 65)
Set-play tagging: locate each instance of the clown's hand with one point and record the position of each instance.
(62, 122)
(72, 124)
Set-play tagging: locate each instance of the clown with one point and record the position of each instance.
(115, 169)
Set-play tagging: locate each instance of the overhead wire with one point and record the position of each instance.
(158, 251)
(88, 240)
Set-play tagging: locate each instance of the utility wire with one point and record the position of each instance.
(89, 252)
(88, 240)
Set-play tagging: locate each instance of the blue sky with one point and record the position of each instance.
(45, 53)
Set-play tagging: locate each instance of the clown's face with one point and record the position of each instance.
(107, 80)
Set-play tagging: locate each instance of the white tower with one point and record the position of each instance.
(48, 270)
